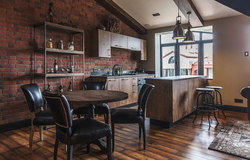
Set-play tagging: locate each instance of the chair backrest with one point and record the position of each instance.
(60, 109)
(94, 85)
(33, 96)
(143, 98)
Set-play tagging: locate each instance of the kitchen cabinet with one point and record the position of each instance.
(119, 41)
(134, 44)
(128, 84)
(143, 50)
(113, 84)
(100, 44)
(125, 86)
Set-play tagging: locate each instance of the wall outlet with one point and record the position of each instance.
(238, 100)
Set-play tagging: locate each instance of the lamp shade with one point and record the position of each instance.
(178, 31)
(189, 36)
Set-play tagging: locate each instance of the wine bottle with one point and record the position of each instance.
(70, 86)
(61, 88)
(49, 87)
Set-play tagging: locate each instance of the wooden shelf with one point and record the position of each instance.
(55, 50)
(59, 27)
(59, 74)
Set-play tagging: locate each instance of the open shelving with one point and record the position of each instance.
(59, 28)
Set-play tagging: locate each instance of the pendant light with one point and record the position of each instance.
(189, 36)
(178, 31)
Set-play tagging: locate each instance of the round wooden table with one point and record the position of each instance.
(92, 97)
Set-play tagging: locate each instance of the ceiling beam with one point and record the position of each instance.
(241, 6)
(186, 6)
(113, 8)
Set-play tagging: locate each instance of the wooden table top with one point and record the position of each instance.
(94, 96)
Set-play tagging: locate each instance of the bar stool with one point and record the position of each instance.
(218, 101)
(207, 106)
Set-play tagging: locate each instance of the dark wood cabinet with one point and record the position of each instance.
(119, 41)
(100, 44)
(134, 44)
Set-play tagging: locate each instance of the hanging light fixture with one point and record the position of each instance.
(178, 31)
(189, 36)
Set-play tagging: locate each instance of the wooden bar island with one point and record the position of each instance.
(173, 98)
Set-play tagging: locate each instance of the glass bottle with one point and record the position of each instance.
(70, 86)
(61, 88)
(71, 46)
(49, 43)
(55, 66)
(49, 87)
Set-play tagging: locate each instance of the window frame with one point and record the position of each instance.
(177, 45)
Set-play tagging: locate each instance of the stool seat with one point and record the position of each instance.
(214, 87)
(205, 89)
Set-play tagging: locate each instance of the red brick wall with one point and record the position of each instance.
(17, 43)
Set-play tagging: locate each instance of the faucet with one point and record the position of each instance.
(113, 69)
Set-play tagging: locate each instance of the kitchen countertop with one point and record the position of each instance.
(135, 75)
(176, 78)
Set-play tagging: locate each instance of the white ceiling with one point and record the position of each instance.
(142, 10)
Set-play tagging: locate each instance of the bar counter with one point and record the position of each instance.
(173, 98)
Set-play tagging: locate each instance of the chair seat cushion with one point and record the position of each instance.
(101, 108)
(85, 130)
(126, 115)
(43, 118)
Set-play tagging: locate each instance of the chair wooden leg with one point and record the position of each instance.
(109, 147)
(56, 148)
(69, 152)
(144, 136)
(41, 132)
(113, 136)
(31, 137)
(88, 147)
(139, 130)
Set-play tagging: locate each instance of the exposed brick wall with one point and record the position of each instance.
(17, 43)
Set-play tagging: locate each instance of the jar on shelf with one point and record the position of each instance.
(71, 46)
(49, 43)
(60, 44)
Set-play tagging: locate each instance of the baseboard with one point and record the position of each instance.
(235, 108)
(14, 125)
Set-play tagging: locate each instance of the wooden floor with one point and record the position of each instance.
(184, 141)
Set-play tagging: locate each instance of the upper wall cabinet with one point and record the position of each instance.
(143, 50)
(119, 41)
(134, 44)
(100, 44)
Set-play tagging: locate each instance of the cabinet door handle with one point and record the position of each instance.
(124, 79)
(112, 80)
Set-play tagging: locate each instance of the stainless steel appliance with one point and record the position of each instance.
(141, 82)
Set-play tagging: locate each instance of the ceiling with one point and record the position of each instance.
(142, 10)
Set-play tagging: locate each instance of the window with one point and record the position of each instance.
(179, 58)
(171, 59)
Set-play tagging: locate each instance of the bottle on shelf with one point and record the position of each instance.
(55, 66)
(49, 87)
(70, 86)
(49, 43)
(61, 88)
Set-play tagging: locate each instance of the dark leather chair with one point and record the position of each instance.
(127, 115)
(35, 101)
(100, 109)
(69, 132)
(245, 92)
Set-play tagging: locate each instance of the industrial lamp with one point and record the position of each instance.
(189, 36)
(178, 31)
